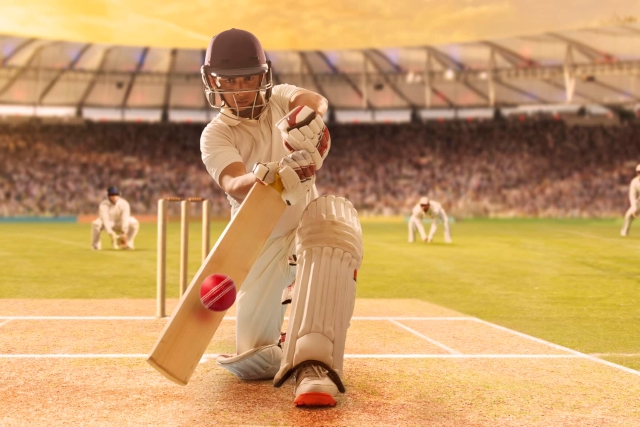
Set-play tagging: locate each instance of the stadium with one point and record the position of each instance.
(523, 312)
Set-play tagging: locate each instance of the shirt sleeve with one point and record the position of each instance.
(218, 149)
(103, 213)
(282, 94)
(633, 194)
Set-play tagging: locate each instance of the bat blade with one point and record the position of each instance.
(186, 335)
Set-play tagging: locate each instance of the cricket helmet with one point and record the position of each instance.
(236, 53)
(113, 191)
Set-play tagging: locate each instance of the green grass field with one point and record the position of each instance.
(572, 282)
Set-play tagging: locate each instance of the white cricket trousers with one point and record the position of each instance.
(415, 223)
(434, 227)
(97, 227)
(628, 219)
(259, 309)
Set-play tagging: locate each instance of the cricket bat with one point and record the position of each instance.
(187, 334)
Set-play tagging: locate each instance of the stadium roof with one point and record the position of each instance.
(304, 25)
(589, 66)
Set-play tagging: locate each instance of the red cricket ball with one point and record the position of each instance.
(218, 292)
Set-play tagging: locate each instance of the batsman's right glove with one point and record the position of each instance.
(297, 172)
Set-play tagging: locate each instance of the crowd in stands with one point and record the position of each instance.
(533, 168)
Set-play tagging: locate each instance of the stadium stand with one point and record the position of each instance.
(496, 168)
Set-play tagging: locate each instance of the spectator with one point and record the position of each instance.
(535, 168)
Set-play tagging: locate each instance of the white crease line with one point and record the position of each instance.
(559, 347)
(434, 342)
(4, 323)
(73, 356)
(387, 318)
(207, 357)
(77, 318)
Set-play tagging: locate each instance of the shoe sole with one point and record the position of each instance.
(315, 399)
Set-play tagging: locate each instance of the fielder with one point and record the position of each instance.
(634, 200)
(114, 216)
(435, 211)
(251, 140)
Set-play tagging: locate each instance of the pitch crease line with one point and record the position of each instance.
(73, 356)
(77, 318)
(434, 342)
(4, 323)
(388, 318)
(207, 357)
(559, 347)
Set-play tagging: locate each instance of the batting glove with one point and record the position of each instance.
(296, 170)
(303, 129)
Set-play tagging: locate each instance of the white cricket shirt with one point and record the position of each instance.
(251, 141)
(112, 214)
(435, 210)
(634, 192)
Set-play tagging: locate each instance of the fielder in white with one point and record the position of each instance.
(634, 200)
(251, 140)
(114, 216)
(434, 211)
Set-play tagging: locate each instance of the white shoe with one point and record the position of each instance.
(95, 247)
(313, 387)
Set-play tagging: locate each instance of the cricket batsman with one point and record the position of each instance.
(634, 200)
(435, 211)
(312, 256)
(114, 216)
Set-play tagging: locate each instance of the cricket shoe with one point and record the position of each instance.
(313, 387)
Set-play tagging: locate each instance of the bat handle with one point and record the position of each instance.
(277, 184)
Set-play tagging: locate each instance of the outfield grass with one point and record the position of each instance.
(572, 282)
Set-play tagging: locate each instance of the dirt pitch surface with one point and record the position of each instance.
(408, 363)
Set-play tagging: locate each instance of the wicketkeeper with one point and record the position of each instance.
(434, 211)
(262, 130)
(114, 217)
(634, 200)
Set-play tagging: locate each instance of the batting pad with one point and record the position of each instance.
(256, 364)
(329, 253)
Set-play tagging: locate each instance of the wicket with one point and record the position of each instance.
(184, 245)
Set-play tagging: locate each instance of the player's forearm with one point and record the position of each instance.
(238, 187)
(316, 102)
